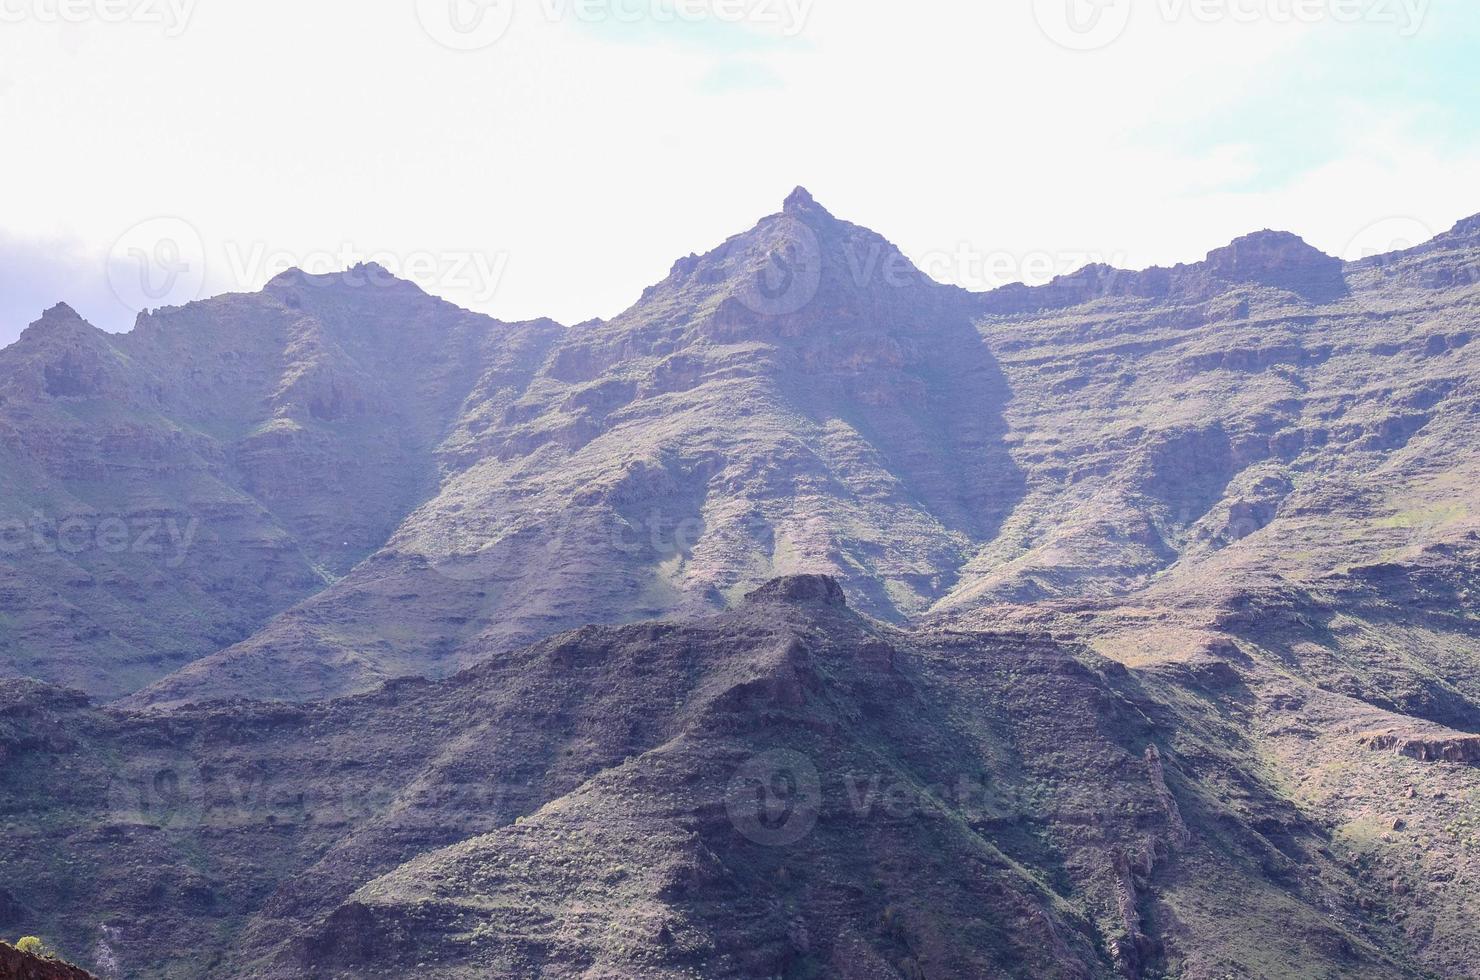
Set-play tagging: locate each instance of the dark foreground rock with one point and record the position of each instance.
(786, 789)
(15, 965)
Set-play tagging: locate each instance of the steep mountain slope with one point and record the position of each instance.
(1226, 431)
(17, 965)
(799, 399)
(1181, 675)
(166, 491)
(785, 789)
(802, 399)
(1254, 465)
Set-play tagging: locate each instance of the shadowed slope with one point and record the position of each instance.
(799, 399)
(784, 787)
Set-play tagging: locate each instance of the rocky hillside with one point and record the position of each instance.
(17, 965)
(786, 789)
(800, 399)
(169, 490)
(1124, 625)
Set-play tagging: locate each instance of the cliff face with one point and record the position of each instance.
(1174, 571)
(15, 965)
(785, 788)
(303, 492)
(168, 490)
(801, 399)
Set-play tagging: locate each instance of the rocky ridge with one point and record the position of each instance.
(1182, 563)
(787, 787)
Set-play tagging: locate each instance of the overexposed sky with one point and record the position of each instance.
(553, 157)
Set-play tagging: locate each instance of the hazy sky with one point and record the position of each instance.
(553, 157)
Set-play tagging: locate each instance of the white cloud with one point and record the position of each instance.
(585, 166)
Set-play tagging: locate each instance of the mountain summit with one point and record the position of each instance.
(800, 399)
(1282, 260)
(808, 618)
(800, 202)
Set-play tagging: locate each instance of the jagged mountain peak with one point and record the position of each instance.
(361, 274)
(800, 263)
(59, 317)
(801, 202)
(1263, 250)
(1280, 259)
(61, 321)
(799, 197)
(61, 312)
(800, 590)
(1466, 229)
(1277, 259)
(1269, 236)
(290, 275)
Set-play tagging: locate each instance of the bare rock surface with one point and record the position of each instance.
(784, 788)
(1123, 625)
(16, 965)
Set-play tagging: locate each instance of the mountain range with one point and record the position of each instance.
(809, 618)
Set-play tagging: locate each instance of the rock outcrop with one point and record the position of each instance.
(16, 965)
(912, 578)
(656, 799)
(1460, 749)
